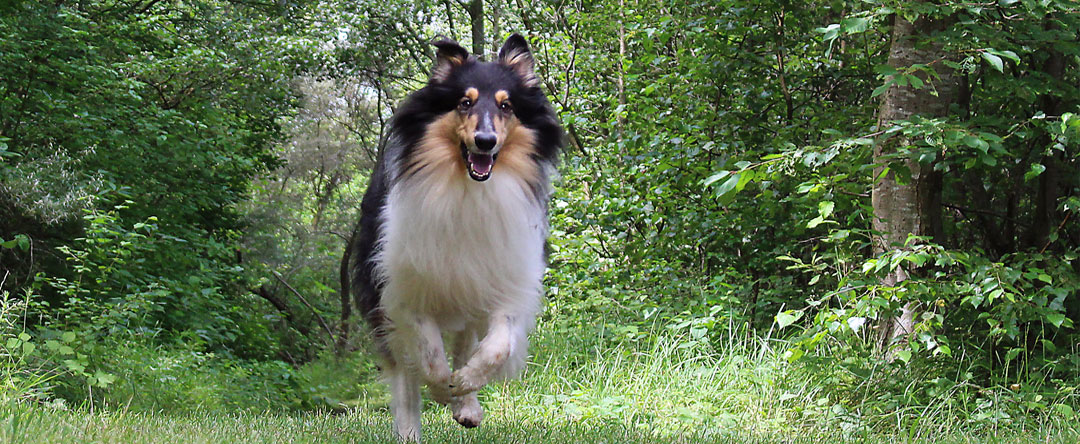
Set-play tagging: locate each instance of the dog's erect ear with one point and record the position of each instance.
(516, 55)
(448, 56)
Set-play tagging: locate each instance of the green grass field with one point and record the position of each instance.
(35, 424)
(580, 387)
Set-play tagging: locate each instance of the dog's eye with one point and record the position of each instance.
(467, 103)
(505, 106)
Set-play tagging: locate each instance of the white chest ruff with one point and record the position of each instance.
(451, 245)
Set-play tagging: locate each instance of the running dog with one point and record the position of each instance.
(451, 239)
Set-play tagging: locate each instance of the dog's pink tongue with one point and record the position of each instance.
(481, 163)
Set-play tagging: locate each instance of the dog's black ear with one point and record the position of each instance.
(448, 56)
(516, 55)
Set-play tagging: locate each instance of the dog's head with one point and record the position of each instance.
(491, 96)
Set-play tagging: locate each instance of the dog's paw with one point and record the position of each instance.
(438, 384)
(440, 394)
(466, 381)
(467, 411)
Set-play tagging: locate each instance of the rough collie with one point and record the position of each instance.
(450, 243)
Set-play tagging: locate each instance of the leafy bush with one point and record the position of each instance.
(31, 365)
(184, 377)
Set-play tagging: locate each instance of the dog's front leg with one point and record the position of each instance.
(465, 408)
(433, 364)
(404, 401)
(505, 338)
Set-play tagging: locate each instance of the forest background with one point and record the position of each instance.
(840, 219)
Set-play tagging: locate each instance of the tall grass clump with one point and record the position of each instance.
(25, 374)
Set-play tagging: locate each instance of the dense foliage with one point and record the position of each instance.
(177, 179)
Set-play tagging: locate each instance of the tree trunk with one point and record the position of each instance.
(344, 325)
(496, 31)
(1046, 196)
(450, 19)
(476, 15)
(620, 80)
(913, 207)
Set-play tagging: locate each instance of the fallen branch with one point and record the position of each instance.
(318, 317)
(282, 307)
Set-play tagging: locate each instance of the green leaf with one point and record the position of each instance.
(786, 318)
(904, 355)
(728, 186)
(856, 323)
(1036, 170)
(831, 32)
(825, 209)
(854, 25)
(1056, 318)
(747, 177)
(885, 70)
(1007, 54)
(716, 177)
(977, 143)
(1064, 410)
(102, 379)
(915, 82)
(869, 265)
(993, 60)
(881, 89)
(943, 349)
(918, 259)
(23, 241)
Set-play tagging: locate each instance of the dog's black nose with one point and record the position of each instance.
(486, 141)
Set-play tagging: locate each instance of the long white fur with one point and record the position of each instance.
(464, 258)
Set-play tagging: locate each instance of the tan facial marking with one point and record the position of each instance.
(515, 157)
(439, 150)
(472, 94)
(467, 127)
(439, 147)
(501, 96)
(500, 126)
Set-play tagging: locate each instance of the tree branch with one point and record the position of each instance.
(318, 317)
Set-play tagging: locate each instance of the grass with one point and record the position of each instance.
(36, 424)
(585, 384)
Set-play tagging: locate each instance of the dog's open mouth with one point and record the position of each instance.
(479, 165)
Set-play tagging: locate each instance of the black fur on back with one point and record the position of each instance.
(406, 128)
